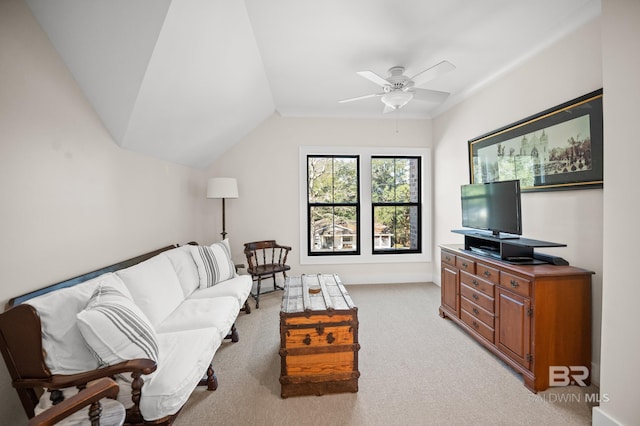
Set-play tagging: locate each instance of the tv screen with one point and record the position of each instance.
(493, 206)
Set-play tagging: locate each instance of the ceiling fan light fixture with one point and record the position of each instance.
(396, 99)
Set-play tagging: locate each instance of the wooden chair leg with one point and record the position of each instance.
(276, 286)
(258, 293)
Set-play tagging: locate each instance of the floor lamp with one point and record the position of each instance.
(222, 188)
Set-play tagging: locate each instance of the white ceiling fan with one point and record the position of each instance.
(400, 89)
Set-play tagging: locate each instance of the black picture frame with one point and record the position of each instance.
(557, 149)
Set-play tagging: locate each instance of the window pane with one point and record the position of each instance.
(406, 180)
(332, 179)
(394, 180)
(345, 180)
(382, 180)
(320, 179)
(333, 229)
(395, 228)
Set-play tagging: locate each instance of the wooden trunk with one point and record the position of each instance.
(318, 337)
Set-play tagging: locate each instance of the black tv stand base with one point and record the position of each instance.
(516, 250)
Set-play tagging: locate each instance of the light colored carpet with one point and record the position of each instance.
(416, 368)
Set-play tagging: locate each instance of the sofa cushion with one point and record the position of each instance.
(185, 267)
(214, 263)
(65, 349)
(184, 359)
(219, 313)
(238, 288)
(154, 286)
(115, 328)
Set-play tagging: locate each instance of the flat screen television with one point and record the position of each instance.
(493, 206)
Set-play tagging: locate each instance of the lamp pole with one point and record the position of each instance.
(222, 188)
(224, 232)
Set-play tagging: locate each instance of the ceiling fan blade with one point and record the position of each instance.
(428, 95)
(360, 97)
(433, 72)
(371, 76)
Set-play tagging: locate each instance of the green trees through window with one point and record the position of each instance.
(333, 204)
(395, 199)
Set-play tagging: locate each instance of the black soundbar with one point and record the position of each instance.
(554, 260)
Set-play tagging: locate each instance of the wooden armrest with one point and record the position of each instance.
(95, 391)
(61, 381)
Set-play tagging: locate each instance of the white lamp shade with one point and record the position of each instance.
(222, 188)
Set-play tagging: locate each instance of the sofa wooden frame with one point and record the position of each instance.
(21, 347)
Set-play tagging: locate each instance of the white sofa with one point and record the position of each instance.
(174, 308)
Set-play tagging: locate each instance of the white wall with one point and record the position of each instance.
(566, 70)
(621, 290)
(266, 165)
(72, 200)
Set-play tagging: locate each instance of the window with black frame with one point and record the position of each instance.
(395, 199)
(333, 206)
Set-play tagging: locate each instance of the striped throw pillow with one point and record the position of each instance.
(115, 329)
(214, 263)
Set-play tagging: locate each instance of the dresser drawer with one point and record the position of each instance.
(488, 273)
(477, 297)
(477, 283)
(465, 264)
(481, 328)
(448, 258)
(478, 312)
(516, 284)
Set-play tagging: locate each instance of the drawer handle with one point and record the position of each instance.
(448, 258)
(476, 311)
(486, 273)
(475, 296)
(330, 338)
(476, 283)
(514, 284)
(465, 265)
(307, 340)
(476, 325)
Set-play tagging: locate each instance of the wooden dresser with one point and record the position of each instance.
(530, 316)
(318, 337)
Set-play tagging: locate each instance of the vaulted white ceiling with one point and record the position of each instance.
(184, 80)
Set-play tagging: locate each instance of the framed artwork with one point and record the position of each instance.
(557, 149)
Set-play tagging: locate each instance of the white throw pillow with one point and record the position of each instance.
(115, 328)
(65, 349)
(185, 267)
(214, 263)
(154, 286)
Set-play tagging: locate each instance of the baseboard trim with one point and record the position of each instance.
(600, 418)
(397, 278)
